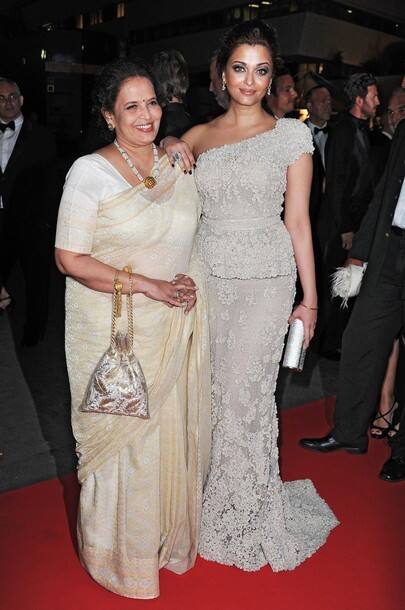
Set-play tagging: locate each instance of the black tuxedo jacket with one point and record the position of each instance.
(346, 206)
(318, 176)
(372, 240)
(380, 150)
(29, 185)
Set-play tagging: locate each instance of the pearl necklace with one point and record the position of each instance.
(149, 181)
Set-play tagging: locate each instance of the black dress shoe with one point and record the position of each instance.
(393, 470)
(327, 444)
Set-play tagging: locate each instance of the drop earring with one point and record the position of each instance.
(269, 89)
(110, 127)
(223, 83)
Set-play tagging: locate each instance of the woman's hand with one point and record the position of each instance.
(166, 292)
(190, 294)
(347, 240)
(308, 316)
(178, 152)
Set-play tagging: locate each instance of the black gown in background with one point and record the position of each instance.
(175, 121)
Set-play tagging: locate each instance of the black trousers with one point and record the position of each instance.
(333, 318)
(375, 322)
(34, 253)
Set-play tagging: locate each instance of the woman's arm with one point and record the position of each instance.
(99, 276)
(184, 147)
(296, 219)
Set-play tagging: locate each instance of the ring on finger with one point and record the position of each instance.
(177, 157)
(178, 294)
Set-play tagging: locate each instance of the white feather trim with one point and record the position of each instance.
(346, 282)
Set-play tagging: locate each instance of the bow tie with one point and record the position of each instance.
(320, 130)
(4, 126)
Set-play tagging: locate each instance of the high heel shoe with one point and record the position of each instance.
(379, 432)
(395, 423)
(6, 302)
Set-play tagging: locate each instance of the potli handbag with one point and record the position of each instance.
(117, 385)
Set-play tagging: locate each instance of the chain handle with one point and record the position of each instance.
(130, 312)
(117, 308)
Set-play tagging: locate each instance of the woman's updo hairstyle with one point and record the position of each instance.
(171, 74)
(109, 83)
(249, 32)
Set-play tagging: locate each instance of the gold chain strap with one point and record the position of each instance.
(117, 308)
(130, 312)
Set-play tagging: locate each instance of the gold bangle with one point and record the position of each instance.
(117, 282)
(128, 269)
(307, 307)
(117, 295)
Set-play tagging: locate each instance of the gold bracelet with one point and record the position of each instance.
(128, 269)
(117, 294)
(307, 307)
(117, 282)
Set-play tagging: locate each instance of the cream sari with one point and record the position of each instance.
(141, 481)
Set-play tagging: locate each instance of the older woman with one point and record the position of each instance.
(141, 481)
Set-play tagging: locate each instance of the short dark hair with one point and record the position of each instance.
(10, 81)
(171, 75)
(252, 33)
(357, 85)
(309, 93)
(214, 54)
(109, 82)
(397, 91)
(281, 71)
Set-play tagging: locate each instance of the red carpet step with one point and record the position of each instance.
(360, 568)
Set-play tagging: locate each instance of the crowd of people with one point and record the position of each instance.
(212, 230)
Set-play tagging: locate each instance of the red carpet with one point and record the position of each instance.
(360, 567)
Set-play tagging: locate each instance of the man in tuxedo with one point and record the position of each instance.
(396, 107)
(28, 205)
(350, 183)
(377, 319)
(319, 104)
(281, 101)
(381, 139)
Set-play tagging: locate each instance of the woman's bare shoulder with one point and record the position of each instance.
(194, 135)
(199, 137)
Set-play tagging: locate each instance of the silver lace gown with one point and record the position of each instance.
(250, 517)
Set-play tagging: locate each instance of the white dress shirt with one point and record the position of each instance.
(399, 214)
(319, 139)
(8, 139)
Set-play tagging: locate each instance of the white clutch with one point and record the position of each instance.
(294, 353)
(346, 282)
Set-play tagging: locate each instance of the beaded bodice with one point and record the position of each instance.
(242, 188)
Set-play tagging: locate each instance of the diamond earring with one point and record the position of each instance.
(110, 127)
(223, 83)
(269, 89)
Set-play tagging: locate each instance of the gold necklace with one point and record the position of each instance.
(148, 181)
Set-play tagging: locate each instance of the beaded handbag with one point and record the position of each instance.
(117, 385)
